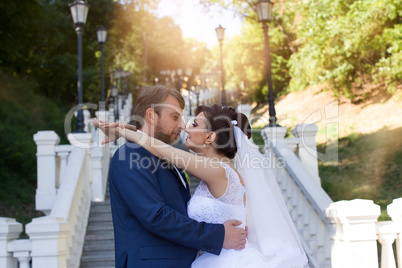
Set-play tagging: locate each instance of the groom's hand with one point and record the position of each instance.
(235, 238)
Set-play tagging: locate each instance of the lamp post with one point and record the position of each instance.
(264, 12)
(180, 79)
(220, 33)
(101, 34)
(197, 90)
(188, 81)
(79, 12)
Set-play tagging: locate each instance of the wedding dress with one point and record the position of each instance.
(272, 238)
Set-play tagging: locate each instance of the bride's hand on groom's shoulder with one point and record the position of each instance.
(235, 238)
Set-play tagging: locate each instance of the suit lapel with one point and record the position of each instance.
(176, 171)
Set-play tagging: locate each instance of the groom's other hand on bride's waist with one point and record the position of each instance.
(235, 238)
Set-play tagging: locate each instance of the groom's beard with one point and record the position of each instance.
(166, 138)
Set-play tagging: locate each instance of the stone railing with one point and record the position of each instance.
(207, 96)
(334, 234)
(305, 199)
(57, 240)
(69, 178)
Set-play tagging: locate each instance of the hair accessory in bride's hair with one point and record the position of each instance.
(234, 122)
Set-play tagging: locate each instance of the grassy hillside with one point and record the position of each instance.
(367, 134)
(23, 113)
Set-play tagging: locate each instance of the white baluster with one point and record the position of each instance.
(313, 229)
(63, 152)
(21, 250)
(9, 230)
(386, 231)
(306, 220)
(46, 142)
(98, 188)
(395, 212)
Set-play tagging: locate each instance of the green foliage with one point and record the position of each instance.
(338, 43)
(23, 114)
(389, 68)
(145, 44)
(38, 41)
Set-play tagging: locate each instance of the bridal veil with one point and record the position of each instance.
(270, 227)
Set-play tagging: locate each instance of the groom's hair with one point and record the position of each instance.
(152, 96)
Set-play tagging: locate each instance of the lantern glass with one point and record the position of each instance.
(114, 91)
(79, 12)
(264, 10)
(102, 34)
(220, 33)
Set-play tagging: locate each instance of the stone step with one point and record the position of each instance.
(106, 260)
(104, 246)
(90, 244)
(101, 209)
(93, 253)
(104, 217)
(100, 227)
(100, 236)
(103, 233)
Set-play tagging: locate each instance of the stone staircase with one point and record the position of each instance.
(99, 239)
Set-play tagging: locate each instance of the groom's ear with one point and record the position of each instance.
(150, 116)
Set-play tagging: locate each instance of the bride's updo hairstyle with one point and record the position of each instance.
(219, 120)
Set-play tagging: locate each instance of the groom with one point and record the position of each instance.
(149, 197)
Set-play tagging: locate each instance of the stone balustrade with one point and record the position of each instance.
(334, 234)
(340, 234)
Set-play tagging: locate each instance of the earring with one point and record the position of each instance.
(204, 145)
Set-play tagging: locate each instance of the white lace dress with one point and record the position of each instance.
(204, 207)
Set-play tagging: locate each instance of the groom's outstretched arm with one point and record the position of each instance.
(141, 192)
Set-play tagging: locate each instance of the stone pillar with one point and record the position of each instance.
(98, 186)
(21, 249)
(354, 243)
(271, 135)
(46, 142)
(49, 242)
(111, 115)
(387, 231)
(80, 140)
(9, 230)
(307, 152)
(245, 109)
(104, 116)
(395, 212)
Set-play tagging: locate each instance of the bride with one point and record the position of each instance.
(240, 189)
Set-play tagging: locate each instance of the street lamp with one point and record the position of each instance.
(79, 12)
(220, 33)
(264, 12)
(197, 91)
(188, 81)
(102, 33)
(180, 79)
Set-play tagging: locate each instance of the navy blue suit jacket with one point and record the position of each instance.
(149, 209)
